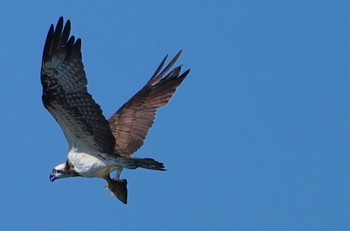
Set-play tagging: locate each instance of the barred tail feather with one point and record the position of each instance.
(149, 163)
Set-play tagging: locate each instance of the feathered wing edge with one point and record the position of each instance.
(65, 94)
(131, 123)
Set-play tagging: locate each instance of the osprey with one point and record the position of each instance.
(97, 146)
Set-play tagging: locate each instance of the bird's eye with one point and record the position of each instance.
(54, 171)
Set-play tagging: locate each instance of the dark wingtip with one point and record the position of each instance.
(78, 43)
(184, 75)
(159, 73)
(56, 37)
(60, 22)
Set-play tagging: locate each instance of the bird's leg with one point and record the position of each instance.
(118, 188)
(119, 172)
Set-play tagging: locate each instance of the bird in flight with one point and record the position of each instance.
(97, 146)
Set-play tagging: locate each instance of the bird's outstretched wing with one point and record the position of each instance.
(65, 94)
(131, 123)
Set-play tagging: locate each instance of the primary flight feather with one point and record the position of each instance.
(97, 146)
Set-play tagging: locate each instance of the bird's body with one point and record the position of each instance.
(93, 164)
(97, 146)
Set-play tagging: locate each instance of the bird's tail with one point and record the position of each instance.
(149, 163)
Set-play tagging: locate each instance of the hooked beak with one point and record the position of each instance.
(52, 177)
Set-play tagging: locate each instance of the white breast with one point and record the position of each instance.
(90, 164)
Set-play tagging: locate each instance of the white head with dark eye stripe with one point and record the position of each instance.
(63, 170)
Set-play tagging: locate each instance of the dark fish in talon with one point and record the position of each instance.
(118, 188)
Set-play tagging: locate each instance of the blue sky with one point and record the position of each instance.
(257, 137)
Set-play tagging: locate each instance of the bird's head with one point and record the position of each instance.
(63, 170)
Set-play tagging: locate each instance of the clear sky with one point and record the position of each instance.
(257, 137)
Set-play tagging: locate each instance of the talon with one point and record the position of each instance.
(119, 172)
